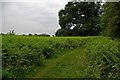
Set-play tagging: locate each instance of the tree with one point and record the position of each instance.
(63, 32)
(2, 34)
(82, 18)
(30, 34)
(110, 21)
(45, 35)
(12, 32)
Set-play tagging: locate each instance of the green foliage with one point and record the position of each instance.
(1, 56)
(104, 57)
(41, 35)
(82, 18)
(44, 35)
(21, 54)
(12, 32)
(29, 34)
(47, 52)
(2, 34)
(64, 32)
(110, 20)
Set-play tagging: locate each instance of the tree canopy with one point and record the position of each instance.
(80, 19)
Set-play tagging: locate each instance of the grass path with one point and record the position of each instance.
(71, 64)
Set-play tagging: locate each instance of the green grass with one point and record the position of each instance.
(71, 64)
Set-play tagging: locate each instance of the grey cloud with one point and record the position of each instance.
(31, 17)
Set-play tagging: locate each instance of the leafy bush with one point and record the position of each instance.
(48, 52)
(104, 57)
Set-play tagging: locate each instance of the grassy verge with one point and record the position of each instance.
(71, 64)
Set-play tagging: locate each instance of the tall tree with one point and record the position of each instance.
(110, 21)
(82, 18)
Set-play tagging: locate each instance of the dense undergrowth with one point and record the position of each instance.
(104, 58)
(22, 54)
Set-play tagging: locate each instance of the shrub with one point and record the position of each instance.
(103, 55)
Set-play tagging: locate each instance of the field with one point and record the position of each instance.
(60, 57)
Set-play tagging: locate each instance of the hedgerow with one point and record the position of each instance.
(104, 58)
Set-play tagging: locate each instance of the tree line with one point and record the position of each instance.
(12, 32)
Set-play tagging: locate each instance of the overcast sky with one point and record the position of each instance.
(31, 16)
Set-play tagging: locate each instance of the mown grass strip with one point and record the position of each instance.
(71, 64)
